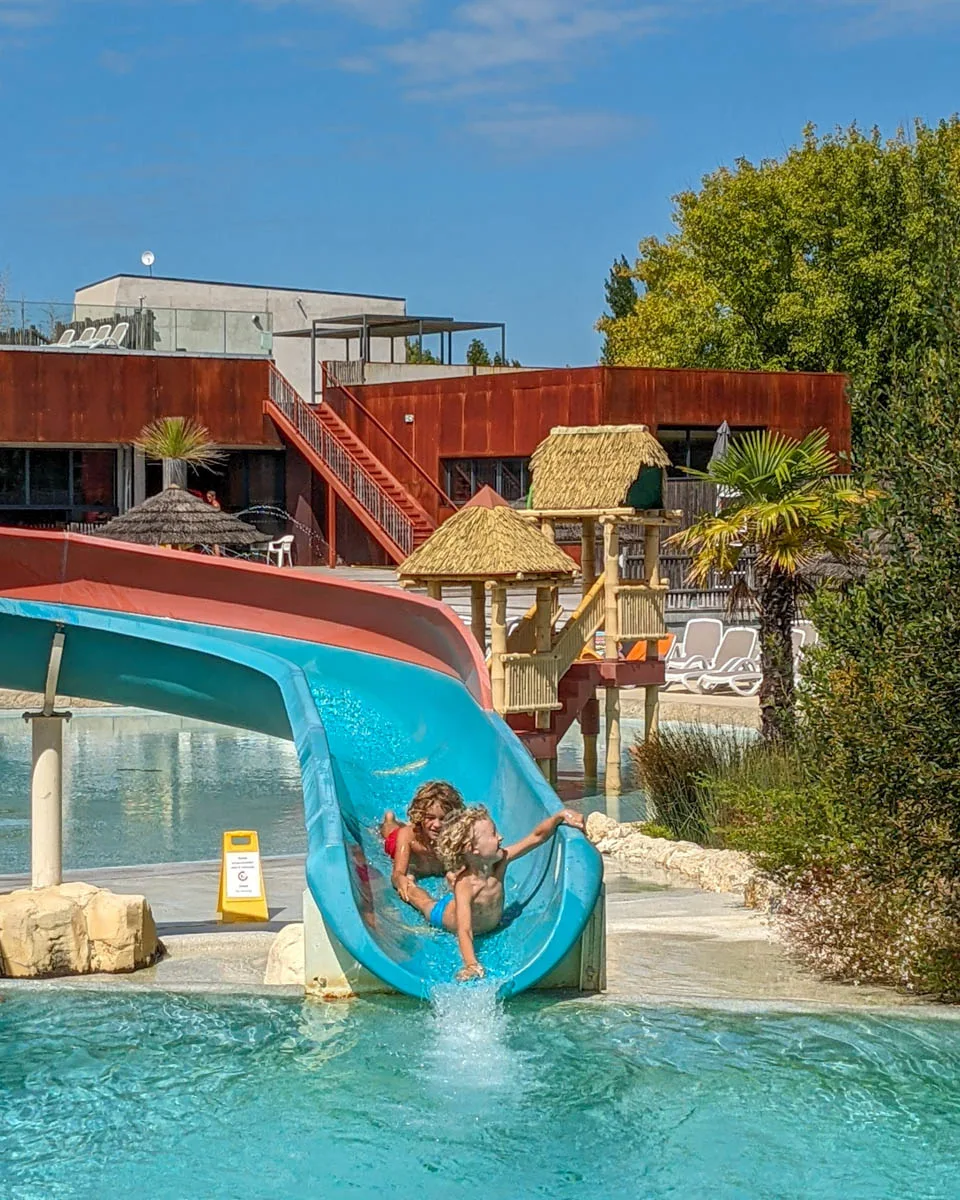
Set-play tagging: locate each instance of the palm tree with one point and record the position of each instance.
(786, 505)
(180, 443)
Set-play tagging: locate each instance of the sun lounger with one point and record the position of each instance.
(745, 677)
(737, 649)
(118, 337)
(86, 337)
(102, 334)
(64, 339)
(701, 637)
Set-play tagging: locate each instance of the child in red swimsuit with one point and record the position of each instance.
(411, 844)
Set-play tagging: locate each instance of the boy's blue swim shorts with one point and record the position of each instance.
(436, 913)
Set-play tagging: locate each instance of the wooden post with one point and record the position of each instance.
(651, 575)
(611, 631)
(498, 646)
(478, 612)
(331, 527)
(434, 589)
(589, 728)
(543, 638)
(588, 554)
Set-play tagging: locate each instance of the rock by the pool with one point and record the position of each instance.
(285, 961)
(74, 929)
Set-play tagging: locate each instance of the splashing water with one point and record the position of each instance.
(468, 1050)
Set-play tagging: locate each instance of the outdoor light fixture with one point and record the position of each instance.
(408, 418)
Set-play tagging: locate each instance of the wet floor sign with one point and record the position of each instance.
(242, 895)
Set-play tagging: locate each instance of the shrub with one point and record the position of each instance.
(843, 926)
(675, 768)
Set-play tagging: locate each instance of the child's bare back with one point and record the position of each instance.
(470, 845)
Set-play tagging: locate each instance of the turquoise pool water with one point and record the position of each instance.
(140, 789)
(113, 1095)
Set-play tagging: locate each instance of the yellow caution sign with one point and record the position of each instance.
(242, 894)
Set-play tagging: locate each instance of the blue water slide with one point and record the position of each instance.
(368, 730)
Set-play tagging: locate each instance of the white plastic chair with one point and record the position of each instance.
(86, 337)
(745, 677)
(701, 637)
(735, 652)
(64, 339)
(278, 552)
(118, 337)
(99, 337)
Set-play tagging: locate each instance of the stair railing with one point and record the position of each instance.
(583, 624)
(330, 379)
(339, 459)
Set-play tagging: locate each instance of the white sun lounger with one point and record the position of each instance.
(64, 339)
(701, 637)
(102, 334)
(745, 677)
(737, 648)
(118, 337)
(86, 337)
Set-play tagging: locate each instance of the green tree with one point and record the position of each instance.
(621, 293)
(477, 354)
(800, 263)
(417, 355)
(787, 507)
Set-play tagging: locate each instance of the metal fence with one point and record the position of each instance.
(183, 330)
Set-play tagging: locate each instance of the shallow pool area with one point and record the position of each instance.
(147, 788)
(106, 1094)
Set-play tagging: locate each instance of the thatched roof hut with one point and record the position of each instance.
(588, 468)
(486, 540)
(175, 517)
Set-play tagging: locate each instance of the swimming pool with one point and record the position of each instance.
(149, 788)
(107, 1095)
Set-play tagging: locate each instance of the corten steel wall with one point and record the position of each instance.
(506, 415)
(65, 397)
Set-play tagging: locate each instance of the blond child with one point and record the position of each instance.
(470, 847)
(412, 844)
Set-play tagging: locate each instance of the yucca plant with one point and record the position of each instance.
(786, 505)
(180, 443)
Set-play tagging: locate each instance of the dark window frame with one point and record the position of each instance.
(675, 470)
(471, 470)
(75, 510)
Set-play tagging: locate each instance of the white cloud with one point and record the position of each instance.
(488, 37)
(539, 130)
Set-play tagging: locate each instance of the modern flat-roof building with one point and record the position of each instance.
(309, 394)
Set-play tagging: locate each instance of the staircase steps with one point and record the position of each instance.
(376, 497)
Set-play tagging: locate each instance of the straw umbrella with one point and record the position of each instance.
(175, 517)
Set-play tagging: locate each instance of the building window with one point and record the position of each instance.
(57, 486)
(692, 446)
(464, 477)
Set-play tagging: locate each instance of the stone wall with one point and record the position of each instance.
(711, 870)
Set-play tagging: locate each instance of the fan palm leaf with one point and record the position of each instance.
(787, 507)
(179, 438)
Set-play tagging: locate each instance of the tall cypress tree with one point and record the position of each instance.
(621, 293)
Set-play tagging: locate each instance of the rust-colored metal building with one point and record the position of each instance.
(368, 473)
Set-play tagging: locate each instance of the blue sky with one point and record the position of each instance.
(486, 160)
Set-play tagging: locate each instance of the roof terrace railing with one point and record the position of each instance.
(174, 330)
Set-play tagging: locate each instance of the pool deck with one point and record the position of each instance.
(666, 944)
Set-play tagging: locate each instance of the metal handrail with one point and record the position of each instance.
(331, 379)
(397, 525)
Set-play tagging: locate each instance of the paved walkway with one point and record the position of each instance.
(665, 944)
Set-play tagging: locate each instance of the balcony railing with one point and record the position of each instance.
(175, 330)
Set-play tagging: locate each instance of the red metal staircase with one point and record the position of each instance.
(375, 497)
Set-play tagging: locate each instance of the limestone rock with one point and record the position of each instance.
(600, 826)
(285, 961)
(74, 929)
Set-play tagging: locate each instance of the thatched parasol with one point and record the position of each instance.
(486, 540)
(593, 467)
(177, 518)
